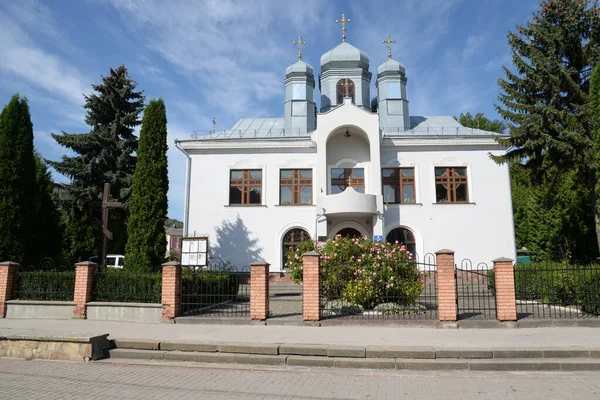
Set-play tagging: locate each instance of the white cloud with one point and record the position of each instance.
(473, 44)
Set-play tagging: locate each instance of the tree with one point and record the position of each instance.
(104, 154)
(17, 181)
(546, 100)
(594, 109)
(146, 245)
(479, 121)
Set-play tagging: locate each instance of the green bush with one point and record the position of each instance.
(400, 309)
(208, 287)
(115, 284)
(45, 285)
(342, 307)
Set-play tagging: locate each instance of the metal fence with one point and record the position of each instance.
(400, 291)
(475, 291)
(57, 284)
(560, 291)
(117, 285)
(218, 290)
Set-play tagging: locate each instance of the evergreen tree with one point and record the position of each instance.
(17, 181)
(545, 99)
(104, 154)
(146, 244)
(479, 121)
(594, 110)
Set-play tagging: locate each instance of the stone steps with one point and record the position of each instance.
(371, 357)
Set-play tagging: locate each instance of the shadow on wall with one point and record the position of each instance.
(235, 244)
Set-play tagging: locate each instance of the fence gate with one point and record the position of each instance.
(285, 299)
(475, 292)
(217, 290)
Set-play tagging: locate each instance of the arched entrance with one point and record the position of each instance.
(349, 233)
(290, 241)
(404, 236)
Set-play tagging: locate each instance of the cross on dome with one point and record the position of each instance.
(299, 43)
(389, 42)
(343, 22)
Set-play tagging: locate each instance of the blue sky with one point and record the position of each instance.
(226, 59)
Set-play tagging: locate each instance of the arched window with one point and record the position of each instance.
(344, 88)
(290, 241)
(404, 236)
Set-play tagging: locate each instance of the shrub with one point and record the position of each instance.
(342, 307)
(45, 285)
(115, 284)
(360, 271)
(397, 309)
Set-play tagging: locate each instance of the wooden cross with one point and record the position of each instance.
(346, 86)
(389, 46)
(106, 205)
(299, 43)
(343, 21)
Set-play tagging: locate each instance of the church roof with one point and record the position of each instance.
(391, 65)
(434, 126)
(344, 55)
(299, 67)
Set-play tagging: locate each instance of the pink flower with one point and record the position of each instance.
(334, 254)
(296, 256)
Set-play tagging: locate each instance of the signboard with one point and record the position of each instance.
(194, 252)
(378, 238)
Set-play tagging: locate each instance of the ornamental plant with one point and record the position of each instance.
(361, 272)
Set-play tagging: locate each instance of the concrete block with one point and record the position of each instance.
(463, 353)
(258, 359)
(566, 353)
(346, 351)
(136, 344)
(136, 354)
(431, 365)
(423, 352)
(116, 311)
(39, 309)
(189, 346)
(303, 349)
(365, 363)
(513, 365)
(579, 365)
(249, 348)
(594, 353)
(181, 356)
(215, 357)
(310, 361)
(517, 353)
(479, 324)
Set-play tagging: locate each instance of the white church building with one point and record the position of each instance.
(357, 166)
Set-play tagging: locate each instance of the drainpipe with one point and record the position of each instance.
(188, 173)
(316, 237)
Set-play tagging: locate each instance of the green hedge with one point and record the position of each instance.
(131, 287)
(207, 287)
(45, 285)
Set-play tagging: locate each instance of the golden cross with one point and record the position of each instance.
(299, 43)
(389, 46)
(343, 22)
(350, 181)
(346, 86)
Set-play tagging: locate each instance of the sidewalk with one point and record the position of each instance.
(534, 338)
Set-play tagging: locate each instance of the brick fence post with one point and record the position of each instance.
(171, 291)
(84, 284)
(447, 307)
(311, 286)
(504, 280)
(8, 271)
(259, 291)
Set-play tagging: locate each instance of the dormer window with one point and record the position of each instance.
(345, 88)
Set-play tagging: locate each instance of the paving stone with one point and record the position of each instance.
(313, 361)
(188, 346)
(365, 363)
(137, 344)
(137, 354)
(346, 351)
(249, 348)
(463, 353)
(303, 349)
(422, 352)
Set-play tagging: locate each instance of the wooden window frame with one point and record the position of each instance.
(339, 88)
(452, 181)
(399, 181)
(245, 182)
(356, 182)
(297, 183)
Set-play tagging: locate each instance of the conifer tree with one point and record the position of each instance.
(594, 110)
(146, 244)
(17, 181)
(104, 154)
(545, 101)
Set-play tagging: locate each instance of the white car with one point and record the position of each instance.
(112, 260)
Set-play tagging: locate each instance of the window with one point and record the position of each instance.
(290, 241)
(451, 185)
(341, 178)
(404, 236)
(295, 187)
(398, 185)
(245, 186)
(344, 88)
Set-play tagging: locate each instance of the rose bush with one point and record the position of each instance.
(360, 271)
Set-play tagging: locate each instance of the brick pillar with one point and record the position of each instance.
(311, 286)
(446, 281)
(84, 284)
(504, 279)
(8, 271)
(171, 291)
(259, 291)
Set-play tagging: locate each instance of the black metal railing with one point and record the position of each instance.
(404, 290)
(219, 290)
(475, 292)
(55, 284)
(117, 285)
(555, 290)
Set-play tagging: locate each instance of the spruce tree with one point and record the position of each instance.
(104, 154)
(146, 244)
(594, 111)
(545, 100)
(17, 181)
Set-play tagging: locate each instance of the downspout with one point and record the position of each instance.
(188, 175)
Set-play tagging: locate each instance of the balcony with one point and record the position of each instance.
(349, 203)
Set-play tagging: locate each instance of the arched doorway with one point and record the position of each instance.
(349, 233)
(404, 236)
(290, 241)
